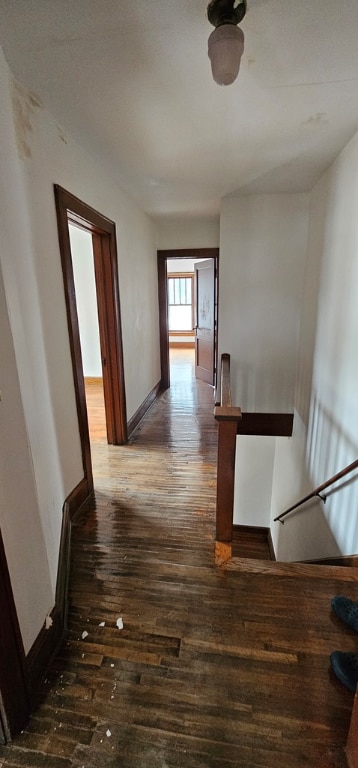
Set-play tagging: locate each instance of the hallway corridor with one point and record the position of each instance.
(212, 668)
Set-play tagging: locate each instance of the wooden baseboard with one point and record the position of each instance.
(270, 545)
(80, 494)
(49, 639)
(142, 410)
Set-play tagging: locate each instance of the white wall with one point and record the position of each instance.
(35, 154)
(262, 255)
(326, 418)
(181, 265)
(253, 480)
(18, 499)
(187, 233)
(86, 300)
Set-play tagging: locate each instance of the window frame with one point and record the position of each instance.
(173, 276)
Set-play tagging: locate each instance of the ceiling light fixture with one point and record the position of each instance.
(226, 43)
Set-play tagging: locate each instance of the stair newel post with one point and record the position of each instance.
(225, 478)
(227, 417)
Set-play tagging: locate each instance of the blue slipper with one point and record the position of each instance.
(347, 610)
(345, 667)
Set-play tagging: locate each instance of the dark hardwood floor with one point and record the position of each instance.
(214, 668)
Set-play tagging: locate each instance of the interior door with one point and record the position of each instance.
(205, 325)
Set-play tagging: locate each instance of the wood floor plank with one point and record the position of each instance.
(214, 667)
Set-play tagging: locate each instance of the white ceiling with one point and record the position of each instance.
(131, 79)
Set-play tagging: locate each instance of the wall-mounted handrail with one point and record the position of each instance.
(318, 491)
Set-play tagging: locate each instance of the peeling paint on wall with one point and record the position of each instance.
(24, 104)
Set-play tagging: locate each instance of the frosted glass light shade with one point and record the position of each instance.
(225, 48)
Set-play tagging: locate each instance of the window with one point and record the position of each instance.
(180, 302)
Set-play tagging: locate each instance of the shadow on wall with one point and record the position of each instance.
(329, 450)
(320, 529)
(267, 387)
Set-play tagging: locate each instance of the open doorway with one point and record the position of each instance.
(88, 324)
(188, 290)
(72, 212)
(181, 317)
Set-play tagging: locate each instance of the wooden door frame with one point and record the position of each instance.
(162, 257)
(71, 210)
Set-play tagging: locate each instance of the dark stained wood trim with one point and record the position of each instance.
(163, 321)
(162, 257)
(80, 494)
(227, 413)
(15, 705)
(189, 253)
(71, 209)
(266, 424)
(49, 640)
(142, 410)
(62, 203)
(271, 546)
(225, 480)
(106, 272)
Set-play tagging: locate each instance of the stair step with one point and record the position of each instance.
(293, 570)
(347, 561)
(251, 542)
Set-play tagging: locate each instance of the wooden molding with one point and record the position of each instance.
(70, 209)
(266, 424)
(225, 480)
(271, 546)
(49, 640)
(80, 494)
(227, 413)
(142, 410)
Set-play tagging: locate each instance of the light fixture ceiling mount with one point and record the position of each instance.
(226, 43)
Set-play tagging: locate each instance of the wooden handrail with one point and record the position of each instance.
(318, 491)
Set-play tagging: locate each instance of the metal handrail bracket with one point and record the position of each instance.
(318, 491)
